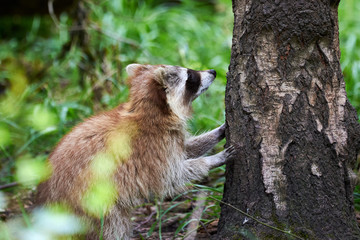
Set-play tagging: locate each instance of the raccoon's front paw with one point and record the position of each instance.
(221, 158)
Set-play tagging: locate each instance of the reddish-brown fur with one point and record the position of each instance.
(154, 164)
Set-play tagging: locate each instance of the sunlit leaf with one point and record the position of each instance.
(41, 118)
(31, 171)
(5, 136)
(100, 198)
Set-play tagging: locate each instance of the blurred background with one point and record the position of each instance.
(62, 61)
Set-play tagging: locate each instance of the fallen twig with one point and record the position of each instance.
(52, 13)
(145, 221)
(9, 185)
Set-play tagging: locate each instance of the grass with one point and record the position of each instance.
(52, 82)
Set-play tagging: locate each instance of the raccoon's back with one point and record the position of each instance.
(71, 158)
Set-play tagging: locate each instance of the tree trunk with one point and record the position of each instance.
(287, 111)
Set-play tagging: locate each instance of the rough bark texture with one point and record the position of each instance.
(287, 110)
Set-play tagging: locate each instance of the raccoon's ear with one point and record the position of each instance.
(160, 75)
(132, 68)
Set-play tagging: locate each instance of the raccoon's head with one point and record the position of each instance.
(175, 87)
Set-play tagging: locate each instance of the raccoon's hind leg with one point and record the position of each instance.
(117, 224)
(197, 146)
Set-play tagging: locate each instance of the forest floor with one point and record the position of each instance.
(145, 218)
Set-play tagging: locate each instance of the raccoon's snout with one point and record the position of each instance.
(213, 72)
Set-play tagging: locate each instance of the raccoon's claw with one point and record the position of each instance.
(230, 152)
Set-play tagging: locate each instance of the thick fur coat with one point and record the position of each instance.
(137, 150)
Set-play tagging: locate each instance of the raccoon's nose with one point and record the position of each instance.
(213, 72)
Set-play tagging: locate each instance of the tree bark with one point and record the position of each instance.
(287, 111)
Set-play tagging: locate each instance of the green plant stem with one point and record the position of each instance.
(159, 207)
(101, 227)
(24, 213)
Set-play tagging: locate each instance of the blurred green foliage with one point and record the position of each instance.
(54, 73)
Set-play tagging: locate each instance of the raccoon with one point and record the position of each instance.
(137, 150)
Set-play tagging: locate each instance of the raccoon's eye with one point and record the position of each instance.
(193, 81)
(192, 85)
(190, 77)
